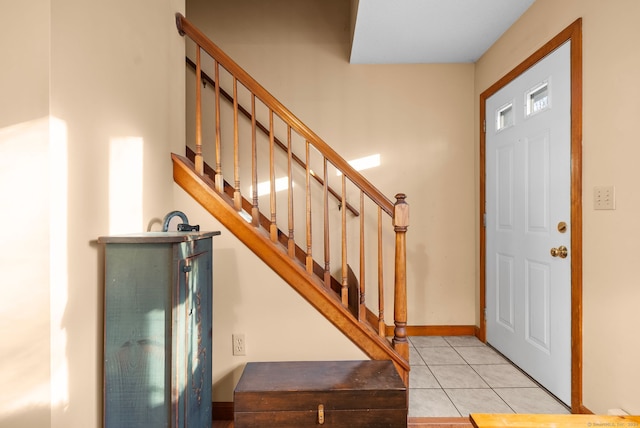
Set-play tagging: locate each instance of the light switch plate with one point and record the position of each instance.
(604, 198)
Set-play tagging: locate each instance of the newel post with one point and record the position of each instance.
(400, 225)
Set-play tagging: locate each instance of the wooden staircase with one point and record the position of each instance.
(266, 140)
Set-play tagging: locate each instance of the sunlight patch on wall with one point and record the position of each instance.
(125, 185)
(363, 163)
(25, 189)
(58, 256)
(264, 188)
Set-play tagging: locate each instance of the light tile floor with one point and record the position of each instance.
(452, 376)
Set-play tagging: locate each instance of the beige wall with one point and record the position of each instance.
(82, 82)
(610, 153)
(25, 65)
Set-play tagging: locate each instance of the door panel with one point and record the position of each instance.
(537, 184)
(506, 292)
(537, 305)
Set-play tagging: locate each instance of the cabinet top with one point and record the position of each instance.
(156, 237)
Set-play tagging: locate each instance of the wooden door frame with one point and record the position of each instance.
(573, 33)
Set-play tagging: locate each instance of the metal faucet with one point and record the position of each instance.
(172, 214)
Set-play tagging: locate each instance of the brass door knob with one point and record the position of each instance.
(561, 252)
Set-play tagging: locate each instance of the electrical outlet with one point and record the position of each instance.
(604, 198)
(238, 344)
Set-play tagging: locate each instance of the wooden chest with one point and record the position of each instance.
(320, 393)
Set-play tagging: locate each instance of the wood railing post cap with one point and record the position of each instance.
(401, 211)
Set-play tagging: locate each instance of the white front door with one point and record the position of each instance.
(528, 214)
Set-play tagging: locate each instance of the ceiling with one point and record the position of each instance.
(429, 31)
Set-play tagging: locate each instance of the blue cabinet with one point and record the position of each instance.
(158, 330)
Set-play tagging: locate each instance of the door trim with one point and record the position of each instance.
(573, 33)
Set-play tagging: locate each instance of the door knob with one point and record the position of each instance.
(561, 252)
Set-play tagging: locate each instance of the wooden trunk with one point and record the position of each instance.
(328, 393)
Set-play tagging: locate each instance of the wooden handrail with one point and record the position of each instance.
(185, 27)
(206, 78)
